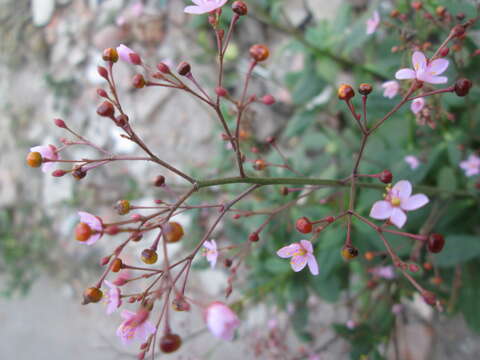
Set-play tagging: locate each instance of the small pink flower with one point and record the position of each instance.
(423, 70)
(122, 278)
(95, 224)
(128, 55)
(391, 88)
(417, 105)
(412, 161)
(398, 200)
(373, 23)
(397, 308)
(301, 254)
(112, 298)
(48, 152)
(135, 326)
(211, 252)
(385, 272)
(204, 6)
(351, 324)
(221, 320)
(471, 166)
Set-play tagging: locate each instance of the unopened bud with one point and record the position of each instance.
(58, 173)
(462, 87)
(184, 68)
(435, 243)
(138, 81)
(110, 54)
(253, 237)
(221, 91)
(60, 123)
(385, 176)
(159, 181)
(345, 92)
(268, 99)
(106, 109)
(365, 89)
(164, 68)
(102, 93)
(259, 52)
(444, 51)
(102, 72)
(240, 8)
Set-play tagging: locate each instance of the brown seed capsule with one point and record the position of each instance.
(170, 343)
(173, 232)
(136, 236)
(79, 173)
(83, 232)
(444, 51)
(349, 252)
(259, 52)
(345, 92)
(92, 295)
(436, 242)
(159, 181)
(149, 256)
(122, 207)
(106, 109)
(253, 237)
(365, 89)
(259, 164)
(121, 120)
(34, 159)
(386, 177)
(227, 262)
(304, 225)
(117, 265)
(240, 8)
(138, 81)
(184, 68)
(110, 54)
(462, 87)
(459, 30)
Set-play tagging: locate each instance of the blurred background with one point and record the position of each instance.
(50, 50)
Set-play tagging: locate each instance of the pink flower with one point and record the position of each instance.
(351, 324)
(391, 88)
(95, 224)
(128, 55)
(397, 308)
(471, 166)
(417, 105)
(135, 326)
(386, 272)
(48, 152)
(122, 278)
(204, 6)
(412, 161)
(398, 200)
(211, 252)
(221, 320)
(112, 298)
(373, 23)
(301, 254)
(423, 70)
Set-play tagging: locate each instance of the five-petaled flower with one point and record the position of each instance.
(135, 326)
(95, 224)
(204, 6)
(417, 105)
(412, 161)
(112, 299)
(471, 166)
(211, 252)
(221, 320)
(391, 88)
(398, 200)
(301, 254)
(48, 152)
(373, 23)
(128, 55)
(424, 70)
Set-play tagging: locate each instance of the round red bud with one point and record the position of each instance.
(413, 268)
(59, 173)
(170, 343)
(138, 81)
(460, 16)
(459, 30)
(102, 72)
(102, 93)
(435, 243)
(106, 109)
(345, 92)
(268, 99)
(221, 91)
(240, 8)
(60, 123)
(253, 237)
(135, 58)
(304, 225)
(462, 87)
(227, 262)
(444, 51)
(184, 68)
(159, 181)
(164, 68)
(112, 230)
(365, 89)
(259, 52)
(385, 177)
(121, 120)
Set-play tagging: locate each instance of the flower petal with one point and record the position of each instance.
(312, 264)
(437, 66)
(417, 105)
(381, 210)
(298, 262)
(414, 202)
(403, 189)
(434, 79)
(307, 245)
(289, 250)
(195, 10)
(403, 74)
(398, 218)
(419, 61)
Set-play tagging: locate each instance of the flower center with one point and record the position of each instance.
(300, 252)
(395, 201)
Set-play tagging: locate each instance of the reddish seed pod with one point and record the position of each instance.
(121, 120)
(170, 343)
(102, 72)
(436, 242)
(240, 8)
(117, 265)
(365, 89)
(459, 30)
(102, 93)
(112, 230)
(92, 295)
(444, 51)
(369, 256)
(304, 225)
(34, 159)
(385, 177)
(135, 58)
(60, 123)
(268, 100)
(253, 237)
(79, 173)
(345, 92)
(106, 109)
(259, 52)
(184, 68)
(462, 87)
(159, 181)
(221, 91)
(259, 164)
(83, 232)
(58, 173)
(330, 219)
(163, 68)
(173, 232)
(138, 81)
(413, 268)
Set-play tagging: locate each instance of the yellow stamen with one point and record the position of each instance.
(395, 201)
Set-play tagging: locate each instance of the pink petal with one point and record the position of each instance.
(210, 245)
(414, 202)
(195, 10)
(127, 314)
(307, 245)
(288, 251)
(298, 262)
(433, 79)
(92, 220)
(438, 66)
(417, 105)
(381, 210)
(92, 239)
(312, 264)
(212, 258)
(403, 74)
(398, 218)
(403, 188)
(419, 61)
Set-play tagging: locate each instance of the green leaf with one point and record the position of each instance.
(469, 296)
(447, 179)
(458, 249)
(327, 288)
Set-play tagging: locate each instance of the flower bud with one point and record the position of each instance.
(136, 236)
(149, 256)
(385, 176)
(253, 237)
(417, 5)
(259, 52)
(221, 91)
(268, 100)
(59, 173)
(345, 92)
(184, 68)
(369, 256)
(122, 207)
(259, 164)
(106, 109)
(117, 265)
(180, 304)
(427, 266)
(79, 173)
(462, 87)
(394, 13)
(83, 232)
(138, 81)
(240, 8)
(444, 51)
(459, 30)
(92, 295)
(110, 54)
(173, 232)
(349, 252)
(413, 268)
(34, 159)
(429, 298)
(440, 11)
(435, 243)
(163, 68)
(159, 181)
(102, 93)
(112, 230)
(60, 123)
(170, 343)
(365, 89)
(304, 225)
(103, 72)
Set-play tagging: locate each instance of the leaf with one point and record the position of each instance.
(447, 179)
(299, 123)
(327, 288)
(469, 296)
(458, 249)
